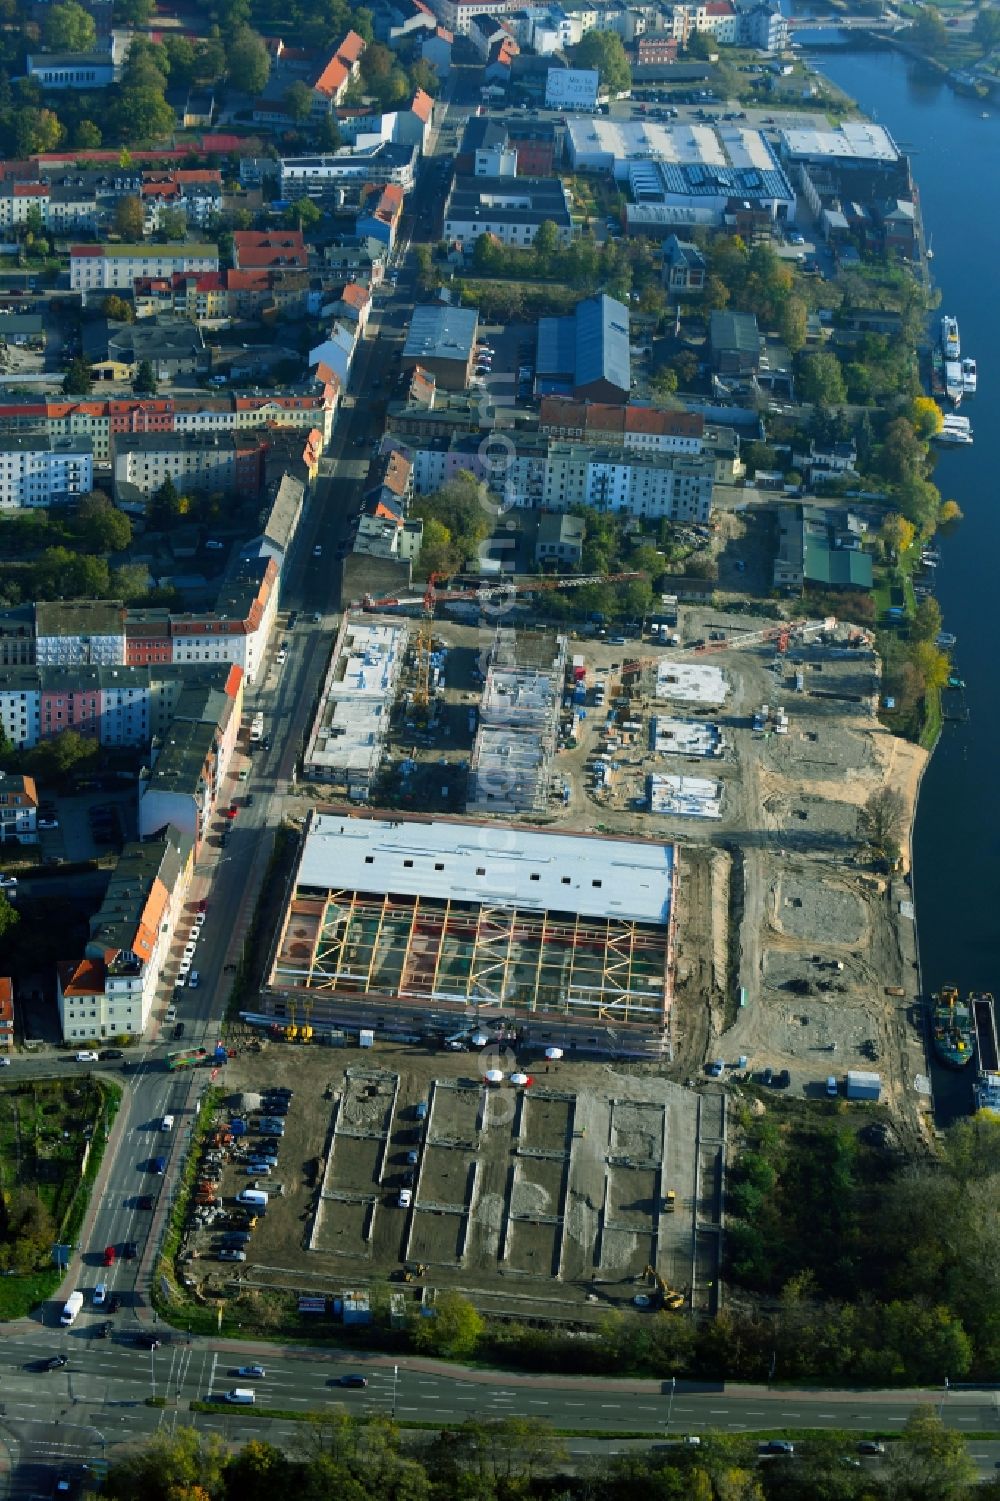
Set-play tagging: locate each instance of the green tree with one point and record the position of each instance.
(87, 136)
(78, 380)
(145, 379)
(603, 50)
(928, 32)
(169, 1466)
(929, 1460)
(820, 379)
(117, 309)
(103, 528)
(436, 548)
(328, 137)
(9, 916)
(134, 12)
(129, 582)
(298, 102)
(792, 324)
(455, 1330)
(249, 62)
(926, 621)
(664, 383)
(545, 246)
(69, 28)
(142, 114)
(303, 214)
(36, 131)
(164, 504)
(986, 28)
(129, 219)
(171, 226)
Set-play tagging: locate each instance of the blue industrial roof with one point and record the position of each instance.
(588, 345)
(696, 181)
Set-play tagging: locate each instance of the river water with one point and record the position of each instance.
(955, 156)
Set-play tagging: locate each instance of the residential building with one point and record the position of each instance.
(341, 68)
(378, 218)
(80, 633)
(18, 818)
(656, 49)
(229, 462)
(533, 143)
(347, 736)
(113, 268)
(71, 70)
(457, 15)
(559, 540)
(484, 31)
(37, 471)
(60, 209)
(108, 993)
(271, 249)
(320, 176)
(189, 765)
(764, 27)
(684, 267)
(334, 358)
(197, 192)
(586, 353)
(237, 630)
(411, 125)
(734, 343)
(510, 208)
(642, 428)
(571, 88)
(715, 18)
(442, 339)
(436, 49)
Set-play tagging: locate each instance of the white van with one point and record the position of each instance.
(254, 1196)
(244, 1396)
(167, 1123)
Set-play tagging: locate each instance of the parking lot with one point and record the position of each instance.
(555, 1197)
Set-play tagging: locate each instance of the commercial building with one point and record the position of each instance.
(690, 683)
(734, 343)
(822, 548)
(507, 207)
(571, 88)
(108, 993)
(403, 924)
(114, 351)
(348, 734)
(586, 353)
(6, 1013)
(113, 268)
(441, 339)
(695, 170)
(37, 471)
(685, 797)
(71, 70)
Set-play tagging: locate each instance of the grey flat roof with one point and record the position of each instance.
(441, 332)
(514, 867)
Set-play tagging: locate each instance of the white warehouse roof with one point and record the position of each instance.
(470, 862)
(855, 140)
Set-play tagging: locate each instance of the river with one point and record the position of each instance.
(956, 162)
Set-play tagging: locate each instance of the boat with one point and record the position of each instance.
(929, 252)
(952, 1028)
(945, 640)
(969, 377)
(953, 387)
(954, 430)
(950, 342)
(955, 682)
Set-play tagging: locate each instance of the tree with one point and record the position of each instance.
(821, 380)
(36, 131)
(897, 534)
(545, 244)
(249, 62)
(117, 309)
(929, 1459)
(171, 226)
(169, 1466)
(9, 916)
(145, 379)
(603, 50)
(919, 502)
(87, 136)
(130, 582)
(142, 114)
(986, 28)
(792, 324)
(78, 380)
(298, 102)
(664, 383)
(455, 1330)
(928, 32)
(303, 214)
(102, 526)
(69, 28)
(926, 621)
(950, 513)
(925, 417)
(130, 218)
(328, 137)
(436, 548)
(164, 504)
(880, 822)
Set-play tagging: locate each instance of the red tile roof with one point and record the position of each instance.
(81, 976)
(254, 250)
(351, 47)
(422, 105)
(6, 1001)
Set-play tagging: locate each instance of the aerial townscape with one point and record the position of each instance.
(495, 687)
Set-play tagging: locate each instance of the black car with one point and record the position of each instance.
(783, 1079)
(148, 1341)
(103, 1331)
(279, 1089)
(114, 1303)
(352, 1381)
(107, 1053)
(144, 1201)
(767, 1076)
(179, 1029)
(129, 1250)
(55, 1363)
(293, 616)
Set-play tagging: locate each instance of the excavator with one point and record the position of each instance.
(669, 1297)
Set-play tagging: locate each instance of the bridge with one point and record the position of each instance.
(848, 23)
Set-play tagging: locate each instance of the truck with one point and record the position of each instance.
(71, 1308)
(257, 728)
(862, 1085)
(186, 1058)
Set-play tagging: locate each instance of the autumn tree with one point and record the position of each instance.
(925, 417)
(926, 622)
(129, 218)
(117, 309)
(896, 534)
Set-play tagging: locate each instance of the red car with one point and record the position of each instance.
(202, 906)
(109, 1255)
(232, 810)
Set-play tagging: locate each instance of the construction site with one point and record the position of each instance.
(553, 1191)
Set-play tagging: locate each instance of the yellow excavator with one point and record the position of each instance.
(669, 1296)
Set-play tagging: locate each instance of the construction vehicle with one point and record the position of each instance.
(433, 596)
(669, 1296)
(669, 1201)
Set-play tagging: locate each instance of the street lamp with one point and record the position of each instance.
(395, 1378)
(670, 1404)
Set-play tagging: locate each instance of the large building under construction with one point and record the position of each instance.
(446, 926)
(511, 768)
